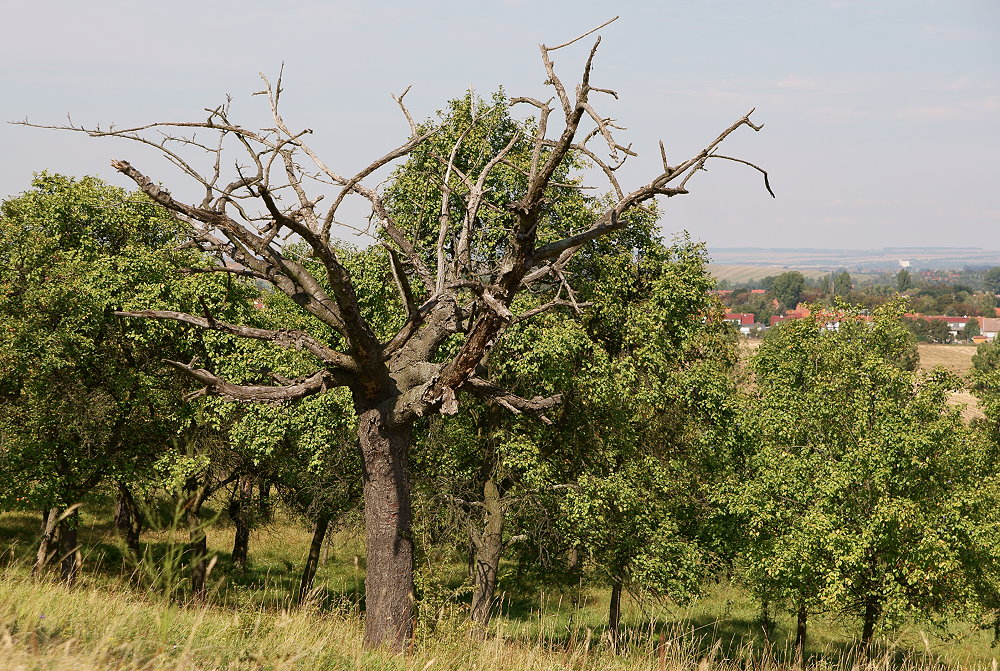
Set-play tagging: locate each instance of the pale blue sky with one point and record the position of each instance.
(882, 119)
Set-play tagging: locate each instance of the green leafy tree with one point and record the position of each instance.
(928, 330)
(787, 288)
(458, 284)
(991, 280)
(81, 401)
(866, 493)
(842, 284)
(903, 280)
(970, 330)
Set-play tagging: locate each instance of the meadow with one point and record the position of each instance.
(249, 621)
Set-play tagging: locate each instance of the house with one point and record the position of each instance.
(743, 321)
(989, 327)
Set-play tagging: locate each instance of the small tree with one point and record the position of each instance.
(842, 284)
(903, 280)
(457, 283)
(991, 281)
(80, 400)
(787, 288)
(970, 330)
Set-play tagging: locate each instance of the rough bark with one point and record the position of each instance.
(312, 561)
(388, 541)
(766, 621)
(48, 545)
(489, 548)
(800, 636)
(128, 519)
(615, 615)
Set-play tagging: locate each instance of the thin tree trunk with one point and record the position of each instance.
(615, 615)
(128, 519)
(487, 563)
(312, 561)
(873, 609)
(240, 513)
(69, 548)
(266, 510)
(197, 547)
(766, 623)
(388, 540)
(800, 636)
(48, 545)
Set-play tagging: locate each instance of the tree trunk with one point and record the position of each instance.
(766, 623)
(615, 615)
(69, 548)
(197, 547)
(48, 545)
(800, 636)
(388, 540)
(309, 571)
(240, 513)
(128, 519)
(489, 548)
(265, 508)
(873, 609)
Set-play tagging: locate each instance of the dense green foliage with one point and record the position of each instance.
(866, 493)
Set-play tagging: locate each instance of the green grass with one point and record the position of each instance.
(248, 622)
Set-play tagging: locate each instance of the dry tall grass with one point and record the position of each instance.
(44, 625)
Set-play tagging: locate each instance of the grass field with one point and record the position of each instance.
(107, 622)
(249, 622)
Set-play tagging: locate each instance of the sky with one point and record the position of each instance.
(881, 117)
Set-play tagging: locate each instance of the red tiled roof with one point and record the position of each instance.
(744, 317)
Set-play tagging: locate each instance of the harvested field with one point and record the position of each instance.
(738, 274)
(956, 358)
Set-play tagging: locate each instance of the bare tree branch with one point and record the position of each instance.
(319, 381)
(287, 338)
(534, 406)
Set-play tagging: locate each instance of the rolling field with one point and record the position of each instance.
(746, 273)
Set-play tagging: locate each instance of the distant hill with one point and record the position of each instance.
(818, 261)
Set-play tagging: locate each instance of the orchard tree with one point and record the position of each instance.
(80, 398)
(866, 495)
(457, 283)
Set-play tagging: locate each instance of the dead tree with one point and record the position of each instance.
(452, 287)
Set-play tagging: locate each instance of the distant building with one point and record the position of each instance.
(989, 327)
(743, 321)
